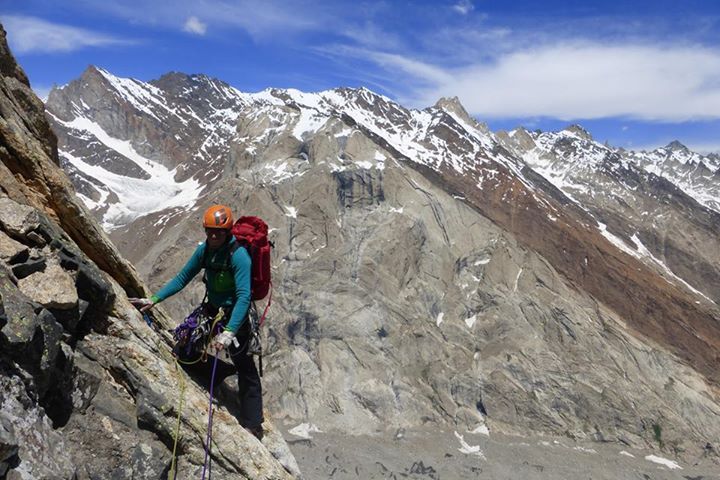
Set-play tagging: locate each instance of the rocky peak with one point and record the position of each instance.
(518, 140)
(580, 132)
(93, 89)
(199, 87)
(93, 73)
(174, 82)
(8, 66)
(452, 105)
(676, 146)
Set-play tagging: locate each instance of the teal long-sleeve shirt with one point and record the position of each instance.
(226, 287)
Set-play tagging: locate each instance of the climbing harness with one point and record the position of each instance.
(194, 335)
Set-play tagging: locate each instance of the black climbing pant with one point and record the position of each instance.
(249, 387)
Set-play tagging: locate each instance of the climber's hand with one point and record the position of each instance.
(143, 304)
(223, 340)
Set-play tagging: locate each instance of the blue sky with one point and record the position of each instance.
(637, 74)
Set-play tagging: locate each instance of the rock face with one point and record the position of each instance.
(87, 388)
(426, 276)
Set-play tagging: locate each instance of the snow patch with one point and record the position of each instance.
(470, 321)
(137, 196)
(279, 172)
(439, 319)
(380, 160)
(290, 211)
(517, 280)
(469, 449)
(663, 461)
(616, 240)
(643, 251)
(309, 122)
(586, 450)
(627, 454)
(482, 430)
(304, 430)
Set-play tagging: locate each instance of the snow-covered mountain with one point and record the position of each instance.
(428, 271)
(125, 168)
(695, 174)
(134, 148)
(661, 206)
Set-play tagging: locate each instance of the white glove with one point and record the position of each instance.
(223, 340)
(143, 304)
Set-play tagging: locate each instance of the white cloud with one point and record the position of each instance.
(579, 81)
(31, 34)
(421, 71)
(464, 7)
(194, 25)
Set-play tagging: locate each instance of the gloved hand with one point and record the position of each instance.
(143, 304)
(223, 340)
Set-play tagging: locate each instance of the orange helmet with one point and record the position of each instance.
(218, 216)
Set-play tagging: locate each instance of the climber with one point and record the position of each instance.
(227, 279)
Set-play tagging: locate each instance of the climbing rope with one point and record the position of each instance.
(181, 379)
(208, 439)
(207, 464)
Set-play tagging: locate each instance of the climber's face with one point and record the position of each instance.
(216, 237)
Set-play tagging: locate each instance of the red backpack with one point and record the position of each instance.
(252, 233)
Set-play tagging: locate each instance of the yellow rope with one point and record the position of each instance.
(173, 464)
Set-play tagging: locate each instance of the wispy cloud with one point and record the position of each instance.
(372, 35)
(419, 71)
(194, 25)
(30, 34)
(464, 7)
(261, 19)
(580, 81)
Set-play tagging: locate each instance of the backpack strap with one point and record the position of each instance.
(262, 318)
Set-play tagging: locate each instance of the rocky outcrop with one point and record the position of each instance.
(88, 387)
(29, 172)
